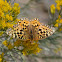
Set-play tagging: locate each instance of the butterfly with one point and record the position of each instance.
(32, 30)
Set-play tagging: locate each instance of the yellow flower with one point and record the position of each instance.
(16, 4)
(25, 53)
(56, 25)
(1, 33)
(59, 16)
(9, 25)
(5, 43)
(60, 29)
(38, 50)
(60, 20)
(10, 46)
(17, 43)
(18, 20)
(0, 59)
(7, 16)
(57, 20)
(52, 7)
(5, 9)
(2, 24)
(1, 56)
(11, 18)
(59, 2)
(16, 10)
(58, 7)
(1, 13)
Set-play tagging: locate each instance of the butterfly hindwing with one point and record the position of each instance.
(10, 31)
(44, 31)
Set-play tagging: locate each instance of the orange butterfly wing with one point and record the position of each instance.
(32, 30)
(40, 31)
(35, 25)
(19, 30)
(44, 31)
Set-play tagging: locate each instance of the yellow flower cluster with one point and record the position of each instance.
(58, 6)
(58, 21)
(28, 47)
(1, 57)
(52, 7)
(8, 44)
(8, 14)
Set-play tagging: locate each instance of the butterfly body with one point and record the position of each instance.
(32, 30)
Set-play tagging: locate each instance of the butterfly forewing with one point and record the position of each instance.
(24, 24)
(19, 30)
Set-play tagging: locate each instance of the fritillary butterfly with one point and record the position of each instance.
(32, 30)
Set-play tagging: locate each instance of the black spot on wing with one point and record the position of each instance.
(46, 34)
(21, 37)
(17, 32)
(20, 32)
(39, 29)
(41, 32)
